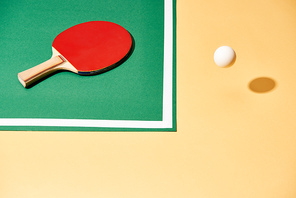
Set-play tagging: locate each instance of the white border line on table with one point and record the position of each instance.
(167, 111)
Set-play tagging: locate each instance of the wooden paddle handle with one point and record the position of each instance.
(33, 74)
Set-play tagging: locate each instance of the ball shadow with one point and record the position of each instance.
(262, 85)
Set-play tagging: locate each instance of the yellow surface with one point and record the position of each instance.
(231, 142)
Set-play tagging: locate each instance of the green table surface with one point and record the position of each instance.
(131, 92)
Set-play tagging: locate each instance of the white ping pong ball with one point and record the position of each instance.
(224, 56)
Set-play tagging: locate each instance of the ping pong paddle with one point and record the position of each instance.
(86, 49)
